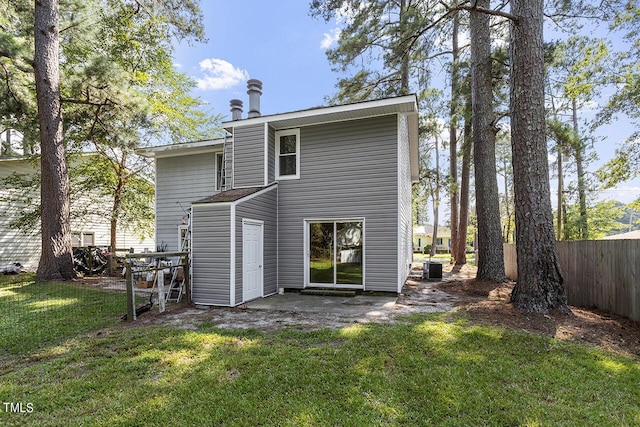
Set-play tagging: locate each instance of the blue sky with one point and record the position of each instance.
(276, 42)
(280, 44)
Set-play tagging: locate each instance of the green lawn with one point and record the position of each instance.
(429, 370)
(39, 314)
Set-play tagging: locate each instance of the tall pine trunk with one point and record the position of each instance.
(453, 141)
(490, 253)
(539, 286)
(56, 261)
(465, 180)
(582, 184)
(436, 202)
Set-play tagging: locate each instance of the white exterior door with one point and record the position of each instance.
(252, 270)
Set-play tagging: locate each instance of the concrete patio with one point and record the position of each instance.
(366, 306)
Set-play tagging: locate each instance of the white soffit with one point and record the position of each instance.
(181, 149)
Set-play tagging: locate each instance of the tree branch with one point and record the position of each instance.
(480, 9)
(104, 103)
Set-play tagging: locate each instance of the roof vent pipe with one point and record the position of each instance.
(236, 109)
(254, 89)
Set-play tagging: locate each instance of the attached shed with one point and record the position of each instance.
(234, 246)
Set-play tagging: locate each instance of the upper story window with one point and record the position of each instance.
(288, 154)
(219, 170)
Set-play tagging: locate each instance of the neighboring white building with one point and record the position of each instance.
(624, 236)
(423, 236)
(24, 247)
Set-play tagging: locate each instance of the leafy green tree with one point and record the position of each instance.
(117, 84)
(388, 35)
(604, 220)
(576, 74)
(626, 100)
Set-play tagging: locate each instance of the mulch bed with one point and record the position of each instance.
(608, 331)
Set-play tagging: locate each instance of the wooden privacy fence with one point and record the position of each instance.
(603, 274)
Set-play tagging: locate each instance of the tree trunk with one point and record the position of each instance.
(539, 287)
(404, 66)
(436, 202)
(56, 261)
(453, 142)
(582, 190)
(560, 195)
(461, 256)
(490, 253)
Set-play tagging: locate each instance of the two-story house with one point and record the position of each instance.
(312, 198)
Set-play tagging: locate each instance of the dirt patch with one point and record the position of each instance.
(481, 301)
(611, 332)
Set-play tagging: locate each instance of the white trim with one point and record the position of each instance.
(287, 132)
(266, 153)
(232, 260)
(399, 238)
(277, 237)
(190, 272)
(193, 212)
(322, 111)
(181, 149)
(306, 253)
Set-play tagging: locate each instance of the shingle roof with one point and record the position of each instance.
(230, 195)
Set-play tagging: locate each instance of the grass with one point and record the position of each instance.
(40, 314)
(430, 370)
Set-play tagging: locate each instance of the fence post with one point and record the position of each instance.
(110, 261)
(160, 284)
(131, 298)
(90, 259)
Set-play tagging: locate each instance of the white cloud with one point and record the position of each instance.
(622, 193)
(220, 74)
(177, 65)
(330, 38)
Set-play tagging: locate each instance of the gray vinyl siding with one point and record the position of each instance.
(405, 229)
(262, 208)
(248, 165)
(271, 147)
(211, 254)
(182, 179)
(347, 170)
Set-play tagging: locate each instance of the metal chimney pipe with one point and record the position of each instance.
(254, 90)
(236, 109)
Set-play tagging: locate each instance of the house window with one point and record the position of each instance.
(219, 167)
(184, 239)
(83, 239)
(288, 154)
(88, 239)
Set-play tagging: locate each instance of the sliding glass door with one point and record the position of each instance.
(335, 253)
